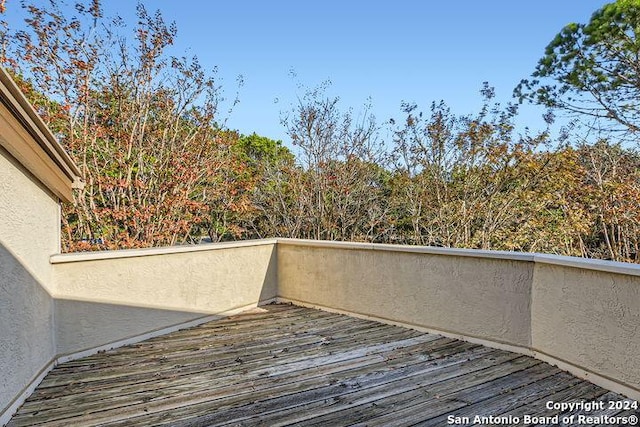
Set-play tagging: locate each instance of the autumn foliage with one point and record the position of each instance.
(140, 124)
(160, 169)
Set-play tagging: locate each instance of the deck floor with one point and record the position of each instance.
(283, 365)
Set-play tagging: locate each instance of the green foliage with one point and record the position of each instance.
(255, 149)
(592, 69)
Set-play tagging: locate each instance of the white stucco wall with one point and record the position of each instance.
(588, 318)
(486, 297)
(29, 234)
(100, 300)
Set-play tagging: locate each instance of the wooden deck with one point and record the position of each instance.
(283, 365)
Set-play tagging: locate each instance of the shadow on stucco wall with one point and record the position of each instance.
(27, 343)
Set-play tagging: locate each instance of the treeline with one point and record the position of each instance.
(447, 180)
(161, 169)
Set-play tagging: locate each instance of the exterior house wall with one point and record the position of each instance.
(35, 174)
(29, 234)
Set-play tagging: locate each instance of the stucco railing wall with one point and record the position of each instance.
(589, 318)
(110, 296)
(582, 315)
(475, 297)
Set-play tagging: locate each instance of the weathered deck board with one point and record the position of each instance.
(287, 365)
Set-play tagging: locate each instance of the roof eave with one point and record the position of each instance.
(61, 172)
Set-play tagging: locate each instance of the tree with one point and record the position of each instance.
(255, 149)
(142, 125)
(593, 69)
(247, 209)
(610, 193)
(467, 179)
(341, 174)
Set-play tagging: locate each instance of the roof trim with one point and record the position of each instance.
(28, 139)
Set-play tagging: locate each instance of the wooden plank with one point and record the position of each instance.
(221, 358)
(288, 364)
(147, 390)
(172, 402)
(400, 333)
(610, 396)
(222, 335)
(429, 402)
(223, 354)
(339, 383)
(377, 402)
(583, 390)
(216, 349)
(488, 401)
(341, 380)
(630, 413)
(299, 402)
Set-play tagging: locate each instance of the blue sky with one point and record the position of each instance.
(417, 51)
